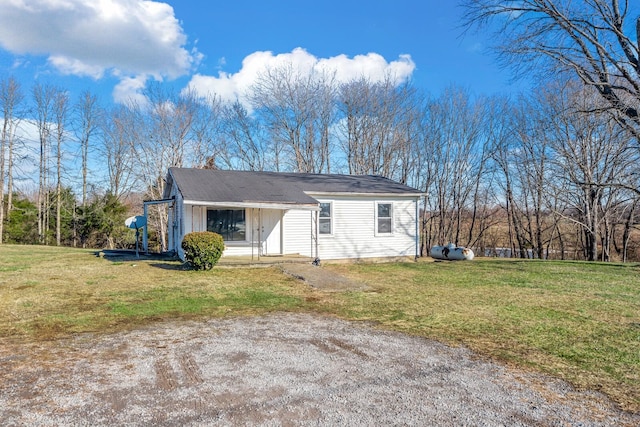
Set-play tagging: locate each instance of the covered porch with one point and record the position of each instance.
(120, 255)
(254, 232)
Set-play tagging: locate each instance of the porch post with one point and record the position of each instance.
(145, 242)
(417, 229)
(259, 232)
(316, 214)
(254, 222)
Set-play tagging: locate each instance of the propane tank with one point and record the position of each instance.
(451, 252)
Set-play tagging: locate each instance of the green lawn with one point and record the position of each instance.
(577, 321)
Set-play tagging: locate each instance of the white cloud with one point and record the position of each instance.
(130, 90)
(90, 38)
(373, 66)
(75, 67)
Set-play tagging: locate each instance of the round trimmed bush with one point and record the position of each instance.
(202, 249)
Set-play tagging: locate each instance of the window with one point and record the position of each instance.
(384, 218)
(229, 223)
(324, 222)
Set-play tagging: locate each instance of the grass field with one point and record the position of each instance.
(574, 320)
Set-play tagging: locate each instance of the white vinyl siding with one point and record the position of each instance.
(354, 229)
(353, 226)
(297, 232)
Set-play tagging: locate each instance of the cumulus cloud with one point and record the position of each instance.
(130, 90)
(91, 38)
(372, 66)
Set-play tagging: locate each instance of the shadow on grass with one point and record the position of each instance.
(171, 266)
(125, 255)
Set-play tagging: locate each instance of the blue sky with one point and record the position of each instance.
(116, 47)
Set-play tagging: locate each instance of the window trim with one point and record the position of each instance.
(331, 222)
(391, 217)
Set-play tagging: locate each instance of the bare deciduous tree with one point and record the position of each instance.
(60, 113)
(245, 142)
(454, 157)
(597, 41)
(378, 130)
(88, 115)
(297, 107)
(44, 98)
(591, 154)
(521, 153)
(205, 132)
(119, 130)
(10, 99)
(169, 133)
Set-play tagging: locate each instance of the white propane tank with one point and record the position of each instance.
(451, 252)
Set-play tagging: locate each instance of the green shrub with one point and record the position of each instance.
(202, 249)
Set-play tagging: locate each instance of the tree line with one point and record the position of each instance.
(552, 173)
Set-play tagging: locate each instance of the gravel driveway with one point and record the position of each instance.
(282, 369)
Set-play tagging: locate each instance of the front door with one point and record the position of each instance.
(271, 233)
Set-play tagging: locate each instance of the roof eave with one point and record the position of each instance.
(255, 205)
(349, 193)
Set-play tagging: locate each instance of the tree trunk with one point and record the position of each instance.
(3, 148)
(626, 235)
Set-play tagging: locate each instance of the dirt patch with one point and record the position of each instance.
(319, 278)
(282, 369)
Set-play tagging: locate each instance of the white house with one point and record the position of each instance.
(321, 216)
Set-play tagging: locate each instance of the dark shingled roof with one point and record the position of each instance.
(207, 185)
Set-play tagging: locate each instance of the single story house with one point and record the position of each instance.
(321, 216)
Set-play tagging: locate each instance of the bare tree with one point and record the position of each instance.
(559, 162)
(379, 126)
(493, 185)
(597, 41)
(591, 153)
(454, 156)
(88, 116)
(119, 131)
(504, 144)
(357, 107)
(61, 113)
(297, 107)
(10, 99)
(522, 154)
(532, 163)
(44, 98)
(166, 139)
(244, 138)
(205, 132)
(631, 209)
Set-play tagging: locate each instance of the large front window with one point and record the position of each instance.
(229, 223)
